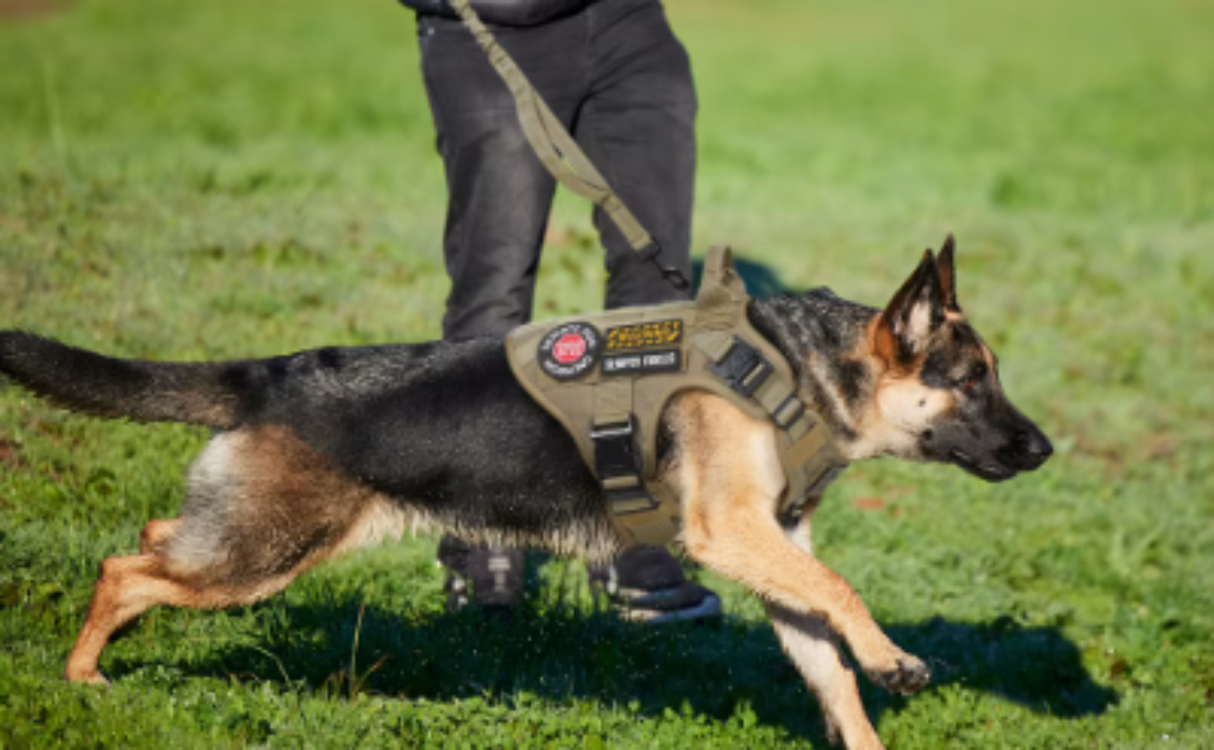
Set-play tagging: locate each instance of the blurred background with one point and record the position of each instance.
(226, 179)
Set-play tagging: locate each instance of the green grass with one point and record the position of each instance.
(218, 179)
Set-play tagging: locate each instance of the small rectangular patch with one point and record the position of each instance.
(658, 333)
(669, 360)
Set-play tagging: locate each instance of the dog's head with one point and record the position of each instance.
(937, 391)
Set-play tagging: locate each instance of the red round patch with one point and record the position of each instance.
(569, 348)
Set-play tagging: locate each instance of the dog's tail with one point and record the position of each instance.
(205, 393)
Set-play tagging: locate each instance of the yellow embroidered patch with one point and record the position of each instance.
(644, 335)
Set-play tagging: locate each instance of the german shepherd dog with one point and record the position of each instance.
(322, 451)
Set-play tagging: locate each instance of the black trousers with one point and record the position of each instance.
(620, 81)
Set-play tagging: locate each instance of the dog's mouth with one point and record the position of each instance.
(989, 472)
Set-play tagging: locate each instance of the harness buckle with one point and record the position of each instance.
(743, 368)
(618, 464)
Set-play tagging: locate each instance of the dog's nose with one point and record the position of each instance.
(1035, 447)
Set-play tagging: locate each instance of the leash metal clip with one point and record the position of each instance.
(672, 275)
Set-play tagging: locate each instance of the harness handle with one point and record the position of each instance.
(722, 298)
(559, 152)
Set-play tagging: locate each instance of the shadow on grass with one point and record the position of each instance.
(564, 653)
(1037, 668)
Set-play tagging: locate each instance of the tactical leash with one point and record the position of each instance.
(560, 153)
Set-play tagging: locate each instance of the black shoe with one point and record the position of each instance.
(646, 584)
(495, 574)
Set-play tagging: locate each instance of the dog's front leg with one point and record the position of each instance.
(814, 649)
(729, 478)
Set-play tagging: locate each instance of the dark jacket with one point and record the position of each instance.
(504, 12)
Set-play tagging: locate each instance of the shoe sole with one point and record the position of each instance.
(709, 608)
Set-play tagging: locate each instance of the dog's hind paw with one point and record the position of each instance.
(93, 677)
(910, 676)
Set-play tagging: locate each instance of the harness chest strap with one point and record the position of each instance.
(705, 345)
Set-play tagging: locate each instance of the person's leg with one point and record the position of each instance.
(499, 197)
(494, 573)
(499, 194)
(638, 127)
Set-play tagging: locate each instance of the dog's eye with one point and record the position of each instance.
(974, 377)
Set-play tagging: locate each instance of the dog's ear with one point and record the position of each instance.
(948, 275)
(913, 314)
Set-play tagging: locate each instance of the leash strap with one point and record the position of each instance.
(559, 152)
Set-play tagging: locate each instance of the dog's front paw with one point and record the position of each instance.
(910, 675)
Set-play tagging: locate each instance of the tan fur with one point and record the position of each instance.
(730, 461)
(283, 511)
(901, 408)
(156, 533)
(596, 542)
(813, 647)
(819, 367)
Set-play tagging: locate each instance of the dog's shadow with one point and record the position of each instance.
(565, 653)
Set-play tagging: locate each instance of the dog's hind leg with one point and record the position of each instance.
(128, 587)
(263, 508)
(814, 648)
(124, 590)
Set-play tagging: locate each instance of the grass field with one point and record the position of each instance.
(220, 179)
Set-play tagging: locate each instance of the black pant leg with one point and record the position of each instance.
(499, 193)
(499, 198)
(638, 127)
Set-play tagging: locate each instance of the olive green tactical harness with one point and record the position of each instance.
(607, 379)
